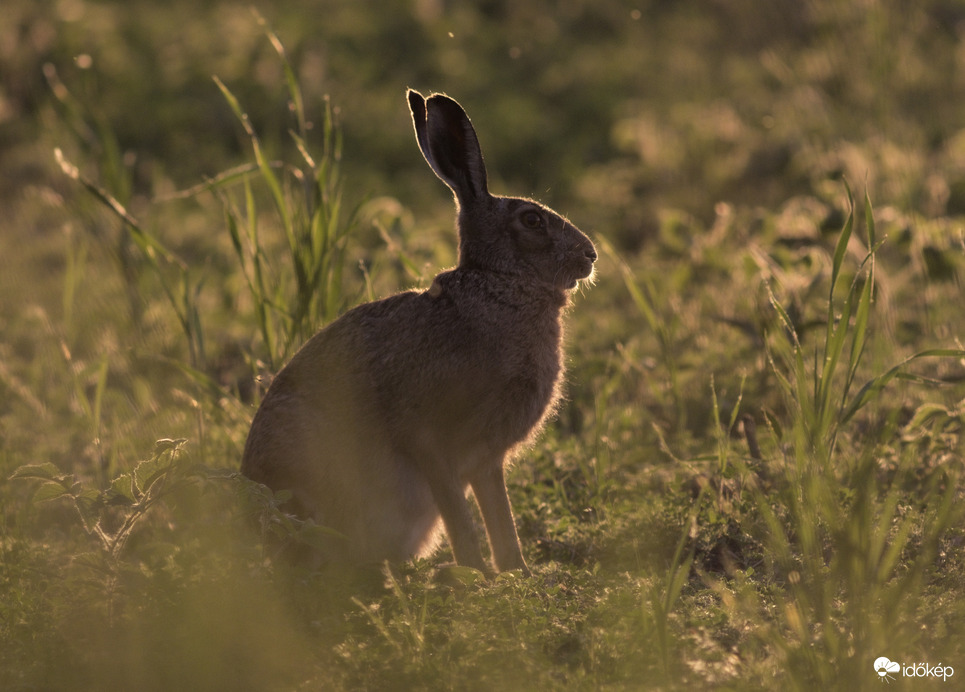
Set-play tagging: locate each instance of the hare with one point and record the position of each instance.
(386, 417)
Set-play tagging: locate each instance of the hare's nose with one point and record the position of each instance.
(590, 253)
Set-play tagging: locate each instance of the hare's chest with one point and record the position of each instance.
(529, 380)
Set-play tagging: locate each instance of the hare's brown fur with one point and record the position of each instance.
(384, 419)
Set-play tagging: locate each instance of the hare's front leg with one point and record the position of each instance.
(489, 487)
(451, 499)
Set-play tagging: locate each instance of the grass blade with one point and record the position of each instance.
(873, 386)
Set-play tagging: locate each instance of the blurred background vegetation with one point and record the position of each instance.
(704, 141)
(626, 108)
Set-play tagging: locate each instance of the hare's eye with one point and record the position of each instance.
(532, 219)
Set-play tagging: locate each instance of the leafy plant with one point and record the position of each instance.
(111, 515)
(133, 494)
(280, 531)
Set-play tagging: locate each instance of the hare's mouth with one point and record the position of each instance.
(581, 272)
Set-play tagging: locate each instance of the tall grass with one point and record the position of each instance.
(306, 201)
(290, 295)
(646, 300)
(847, 552)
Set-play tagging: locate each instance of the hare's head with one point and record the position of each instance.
(506, 235)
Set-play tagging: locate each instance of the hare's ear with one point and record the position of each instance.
(449, 144)
(417, 106)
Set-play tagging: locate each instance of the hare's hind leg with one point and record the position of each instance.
(489, 487)
(400, 519)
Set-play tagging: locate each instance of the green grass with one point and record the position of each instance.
(755, 480)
